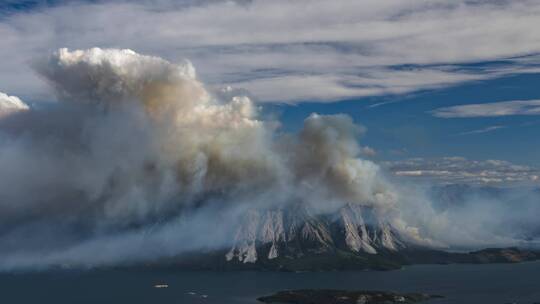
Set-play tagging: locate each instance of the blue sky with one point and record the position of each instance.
(403, 70)
(404, 126)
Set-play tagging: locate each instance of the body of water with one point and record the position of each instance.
(460, 284)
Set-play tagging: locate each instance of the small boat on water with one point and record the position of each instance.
(161, 285)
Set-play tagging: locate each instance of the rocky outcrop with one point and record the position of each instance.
(296, 232)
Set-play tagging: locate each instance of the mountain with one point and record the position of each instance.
(351, 238)
(295, 233)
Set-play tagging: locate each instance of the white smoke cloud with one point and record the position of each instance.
(138, 160)
(134, 140)
(462, 216)
(97, 75)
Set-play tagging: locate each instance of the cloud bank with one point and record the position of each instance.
(276, 49)
(459, 170)
(492, 109)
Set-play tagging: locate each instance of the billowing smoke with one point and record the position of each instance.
(465, 217)
(138, 160)
(136, 145)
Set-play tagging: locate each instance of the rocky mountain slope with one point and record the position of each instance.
(297, 232)
(352, 238)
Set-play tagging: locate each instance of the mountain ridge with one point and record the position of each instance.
(353, 237)
(298, 232)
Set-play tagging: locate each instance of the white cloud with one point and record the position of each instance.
(483, 130)
(368, 151)
(464, 171)
(289, 50)
(11, 104)
(493, 109)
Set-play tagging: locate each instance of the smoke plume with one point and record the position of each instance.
(138, 160)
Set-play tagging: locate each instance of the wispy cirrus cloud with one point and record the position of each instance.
(482, 130)
(493, 109)
(460, 170)
(289, 51)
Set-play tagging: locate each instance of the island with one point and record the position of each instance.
(334, 296)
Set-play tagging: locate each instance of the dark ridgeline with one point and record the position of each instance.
(333, 296)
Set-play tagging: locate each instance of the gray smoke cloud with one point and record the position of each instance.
(135, 140)
(462, 217)
(138, 160)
